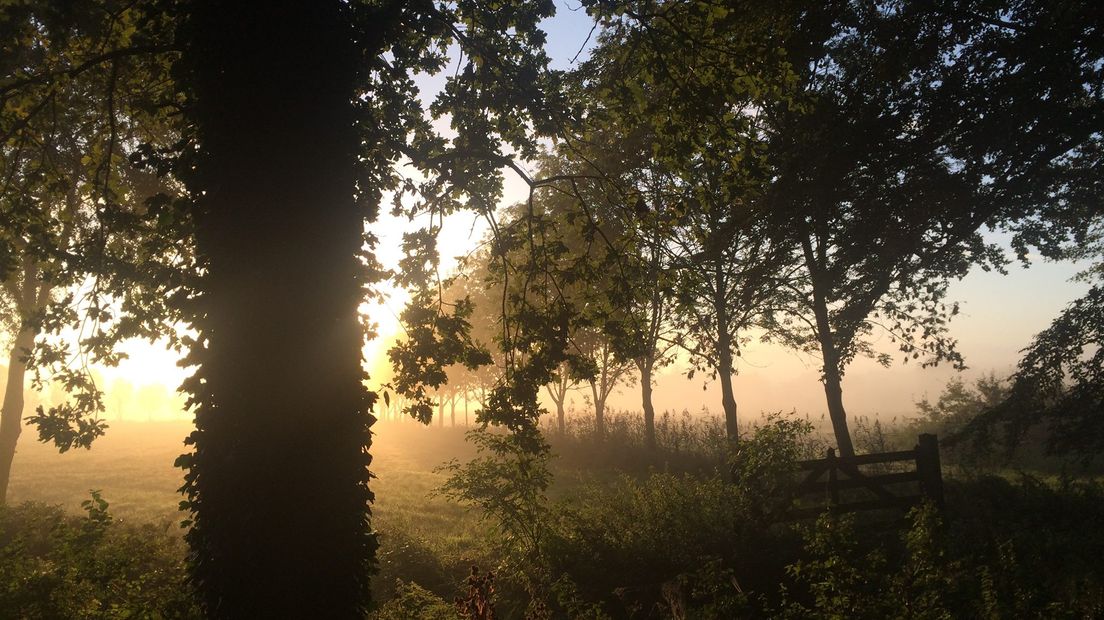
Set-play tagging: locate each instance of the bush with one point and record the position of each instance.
(58, 566)
(663, 544)
(973, 565)
(412, 602)
(669, 543)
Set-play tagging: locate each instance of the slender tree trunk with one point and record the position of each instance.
(277, 481)
(11, 416)
(466, 401)
(728, 397)
(558, 394)
(561, 416)
(724, 359)
(649, 409)
(599, 410)
(833, 390)
(452, 411)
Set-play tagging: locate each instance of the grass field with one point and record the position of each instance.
(422, 536)
(133, 467)
(622, 528)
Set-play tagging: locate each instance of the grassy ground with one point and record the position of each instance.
(423, 537)
(133, 467)
(626, 529)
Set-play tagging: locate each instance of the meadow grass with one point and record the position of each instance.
(423, 537)
(624, 523)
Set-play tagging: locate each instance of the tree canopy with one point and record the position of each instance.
(93, 242)
(806, 174)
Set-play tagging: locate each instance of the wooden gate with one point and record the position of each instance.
(845, 486)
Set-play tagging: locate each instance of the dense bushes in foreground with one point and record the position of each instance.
(54, 565)
(675, 546)
(644, 542)
(663, 544)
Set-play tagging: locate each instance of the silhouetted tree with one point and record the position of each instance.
(685, 83)
(900, 152)
(1057, 213)
(652, 330)
(85, 248)
(614, 177)
(557, 390)
(1058, 384)
(301, 110)
(577, 248)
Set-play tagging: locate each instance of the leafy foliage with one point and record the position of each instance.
(678, 86)
(434, 342)
(938, 569)
(58, 566)
(411, 601)
(1059, 383)
(94, 246)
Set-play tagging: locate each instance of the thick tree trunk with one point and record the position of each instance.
(649, 409)
(561, 417)
(278, 478)
(11, 416)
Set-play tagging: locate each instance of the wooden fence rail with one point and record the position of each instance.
(872, 490)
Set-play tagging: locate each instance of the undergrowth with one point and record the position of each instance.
(691, 531)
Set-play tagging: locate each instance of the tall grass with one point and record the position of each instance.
(630, 532)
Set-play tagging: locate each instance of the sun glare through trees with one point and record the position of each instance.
(546, 309)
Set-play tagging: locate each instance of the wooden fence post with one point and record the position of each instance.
(928, 468)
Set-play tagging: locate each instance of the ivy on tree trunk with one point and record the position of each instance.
(277, 481)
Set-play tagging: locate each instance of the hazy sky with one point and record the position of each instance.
(999, 316)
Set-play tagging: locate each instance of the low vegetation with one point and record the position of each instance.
(684, 531)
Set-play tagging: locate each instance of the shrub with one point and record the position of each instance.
(58, 566)
(967, 568)
(413, 602)
(668, 542)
